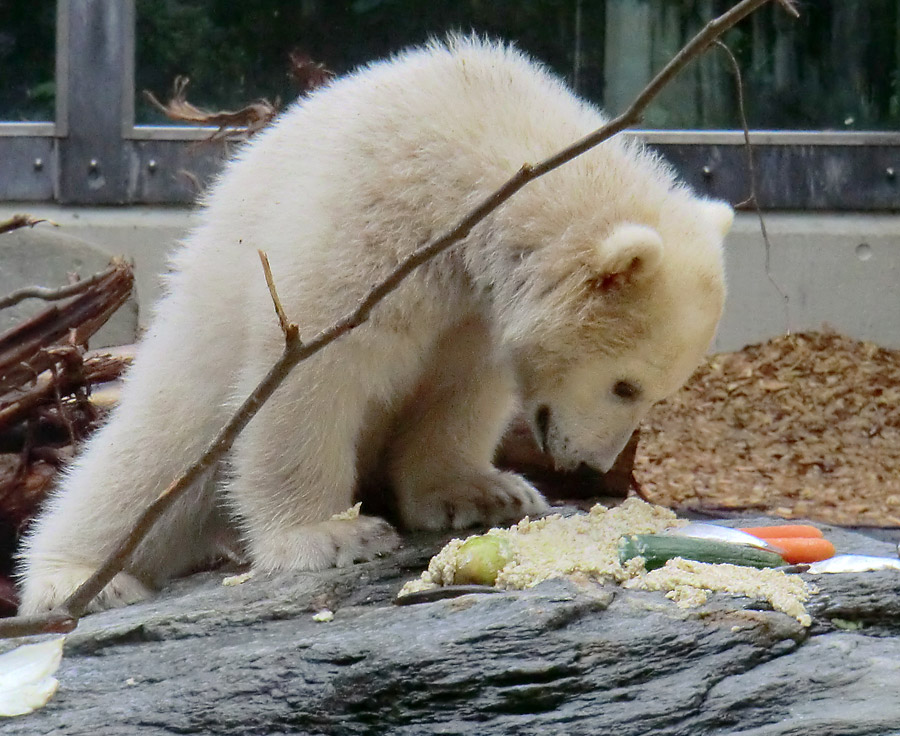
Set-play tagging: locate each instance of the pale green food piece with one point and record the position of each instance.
(480, 559)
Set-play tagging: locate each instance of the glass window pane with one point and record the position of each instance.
(27, 60)
(835, 68)
(235, 52)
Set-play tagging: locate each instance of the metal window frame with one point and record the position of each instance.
(94, 154)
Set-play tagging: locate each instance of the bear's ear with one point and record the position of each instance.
(721, 215)
(629, 253)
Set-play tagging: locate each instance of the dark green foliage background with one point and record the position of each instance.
(835, 68)
(27, 61)
(234, 52)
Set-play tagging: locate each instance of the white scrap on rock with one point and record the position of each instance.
(324, 616)
(349, 514)
(237, 579)
(853, 563)
(26, 676)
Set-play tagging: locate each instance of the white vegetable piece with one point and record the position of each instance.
(26, 676)
(700, 530)
(853, 563)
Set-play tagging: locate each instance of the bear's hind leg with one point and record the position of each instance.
(440, 459)
(171, 405)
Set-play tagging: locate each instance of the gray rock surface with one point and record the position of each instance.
(43, 256)
(561, 658)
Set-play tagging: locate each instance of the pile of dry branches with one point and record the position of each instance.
(46, 377)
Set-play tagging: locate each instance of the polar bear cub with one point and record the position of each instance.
(587, 297)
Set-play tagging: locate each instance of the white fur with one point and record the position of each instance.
(603, 271)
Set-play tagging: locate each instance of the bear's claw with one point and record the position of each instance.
(472, 499)
(318, 546)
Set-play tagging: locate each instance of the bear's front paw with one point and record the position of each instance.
(43, 592)
(318, 546)
(469, 499)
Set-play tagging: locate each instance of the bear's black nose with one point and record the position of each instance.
(542, 422)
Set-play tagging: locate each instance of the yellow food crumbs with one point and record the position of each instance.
(586, 546)
(688, 583)
(323, 616)
(687, 596)
(237, 579)
(556, 546)
(440, 568)
(349, 514)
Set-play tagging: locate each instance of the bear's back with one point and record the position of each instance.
(389, 156)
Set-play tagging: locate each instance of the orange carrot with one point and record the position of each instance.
(783, 531)
(795, 550)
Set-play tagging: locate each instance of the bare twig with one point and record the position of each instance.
(19, 221)
(63, 414)
(192, 180)
(47, 623)
(51, 295)
(296, 351)
(244, 122)
(753, 199)
(789, 7)
(22, 347)
(742, 112)
(96, 369)
(287, 327)
(306, 73)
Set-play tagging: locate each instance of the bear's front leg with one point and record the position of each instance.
(294, 468)
(440, 459)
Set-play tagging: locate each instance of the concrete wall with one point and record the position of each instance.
(142, 234)
(836, 270)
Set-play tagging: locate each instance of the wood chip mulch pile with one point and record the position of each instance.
(804, 425)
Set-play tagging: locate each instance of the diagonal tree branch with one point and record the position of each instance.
(296, 351)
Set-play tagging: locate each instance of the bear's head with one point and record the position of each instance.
(611, 319)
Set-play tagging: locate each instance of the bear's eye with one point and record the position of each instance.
(626, 390)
